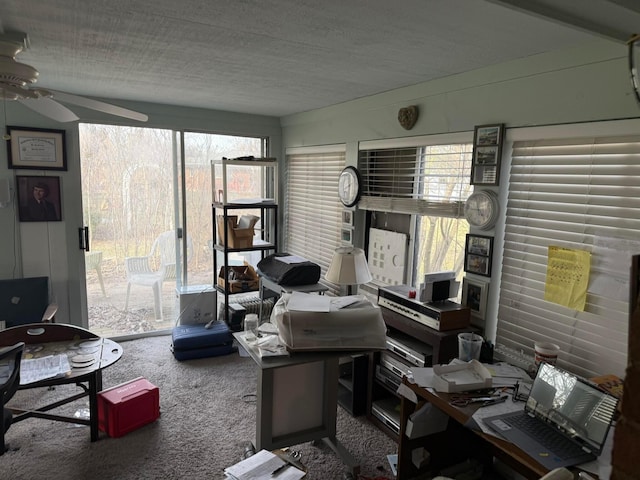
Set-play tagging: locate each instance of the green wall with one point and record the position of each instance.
(584, 84)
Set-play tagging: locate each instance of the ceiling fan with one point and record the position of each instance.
(16, 80)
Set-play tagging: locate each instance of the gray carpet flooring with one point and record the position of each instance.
(207, 418)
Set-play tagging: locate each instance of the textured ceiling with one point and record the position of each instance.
(273, 57)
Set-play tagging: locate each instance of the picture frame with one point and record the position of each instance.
(478, 254)
(487, 154)
(39, 198)
(347, 219)
(36, 148)
(346, 236)
(474, 296)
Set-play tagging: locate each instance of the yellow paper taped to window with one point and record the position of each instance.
(567, 277)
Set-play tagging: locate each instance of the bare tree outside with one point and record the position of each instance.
(441, 239)
(132, 189)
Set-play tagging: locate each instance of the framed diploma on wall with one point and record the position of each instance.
(36, 148)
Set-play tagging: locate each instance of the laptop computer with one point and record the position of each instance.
(565, 420)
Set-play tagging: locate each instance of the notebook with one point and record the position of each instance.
(565, 420)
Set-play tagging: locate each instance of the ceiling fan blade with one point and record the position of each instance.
(49, 108)
(99, 106)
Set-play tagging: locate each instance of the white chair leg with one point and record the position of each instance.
(157, 300)
(99, 272)
(126, 302)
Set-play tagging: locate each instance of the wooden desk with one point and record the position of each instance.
(43, 339)
(457, 438)
(297, 400)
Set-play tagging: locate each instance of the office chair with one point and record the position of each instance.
(9, 382)
(26, 300)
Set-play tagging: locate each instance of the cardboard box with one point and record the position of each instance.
(461, 377)
(240, 230)
(241, 278)
(128, 406)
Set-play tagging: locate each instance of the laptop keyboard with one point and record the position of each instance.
(546, 436)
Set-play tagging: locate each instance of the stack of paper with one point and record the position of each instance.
(505, 375)
(264, 465)
(36, 369)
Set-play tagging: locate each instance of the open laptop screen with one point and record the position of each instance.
(573, 405)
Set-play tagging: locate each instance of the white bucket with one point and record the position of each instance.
(546, 352)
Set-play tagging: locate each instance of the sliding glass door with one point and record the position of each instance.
(147, 207)
(128, 205)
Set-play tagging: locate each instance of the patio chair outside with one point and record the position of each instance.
(141, 270)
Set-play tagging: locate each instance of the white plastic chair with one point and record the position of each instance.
(143, 270)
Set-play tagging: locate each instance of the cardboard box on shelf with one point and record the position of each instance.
(241, 278)
(460, 377)
(240, 230)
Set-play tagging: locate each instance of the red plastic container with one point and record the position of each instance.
(128, 406)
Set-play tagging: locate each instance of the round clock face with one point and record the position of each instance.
(349, 187)
(481, 209)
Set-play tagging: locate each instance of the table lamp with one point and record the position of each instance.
(348, 267)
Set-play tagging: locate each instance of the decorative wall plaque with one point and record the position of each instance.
(408, 116)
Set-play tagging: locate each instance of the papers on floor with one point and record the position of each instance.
(36, 369)
(264, 465)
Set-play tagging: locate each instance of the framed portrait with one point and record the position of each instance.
(478, 254)
(36, 148)
(487, 152)
(39, 199)
(474, 296)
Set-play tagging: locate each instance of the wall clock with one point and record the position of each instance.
(349, 186)
(481, 209)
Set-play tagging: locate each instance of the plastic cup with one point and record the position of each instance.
(546, 352)
(469, 345)
(251, 327)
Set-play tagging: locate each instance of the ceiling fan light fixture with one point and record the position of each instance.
(13, 92)
(12, 71)
(16, 78)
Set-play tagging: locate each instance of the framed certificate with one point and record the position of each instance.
(36, 148)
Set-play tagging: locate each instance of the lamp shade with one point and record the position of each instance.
(348, 267)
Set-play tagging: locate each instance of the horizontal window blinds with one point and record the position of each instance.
(430, 180)
(579, 193)
(313, 216)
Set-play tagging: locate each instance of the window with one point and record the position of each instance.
(579, 193)
(313, 215)
(426, 178)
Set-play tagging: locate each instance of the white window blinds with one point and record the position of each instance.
(313, 216)
(580, 193)
(425, 180)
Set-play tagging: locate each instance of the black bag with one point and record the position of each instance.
(304, 273)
